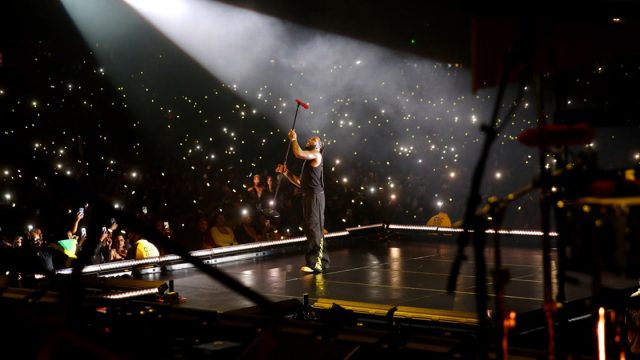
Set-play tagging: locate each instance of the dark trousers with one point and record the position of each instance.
(313, 213)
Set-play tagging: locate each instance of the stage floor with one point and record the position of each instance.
(398, 273)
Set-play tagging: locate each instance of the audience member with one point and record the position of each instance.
(440, 220)
(222, 234)
(35, 255)
(205, 235)
(141, 248)
(245, 232)
(119, 248)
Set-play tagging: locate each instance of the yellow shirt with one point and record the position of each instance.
(145, 249)
(222, 239)
(440, 220)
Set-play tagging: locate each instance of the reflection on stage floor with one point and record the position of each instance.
(398, 272)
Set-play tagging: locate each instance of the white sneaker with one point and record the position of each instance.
(306, 269)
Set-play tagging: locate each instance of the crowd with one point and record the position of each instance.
(220, 217)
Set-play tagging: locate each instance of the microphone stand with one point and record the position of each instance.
(293, 126)
(273, 212)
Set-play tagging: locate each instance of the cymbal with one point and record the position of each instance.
(270, 213)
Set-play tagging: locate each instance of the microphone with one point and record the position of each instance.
(303, 104)
(557, 134)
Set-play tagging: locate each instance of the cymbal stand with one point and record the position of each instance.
(471, 221)
(494, 212)
(550, 305)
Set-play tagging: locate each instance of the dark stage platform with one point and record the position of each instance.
(405, 270)
(384, 295)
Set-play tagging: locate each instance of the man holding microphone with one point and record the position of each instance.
(311, 183)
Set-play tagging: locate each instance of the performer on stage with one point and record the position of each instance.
(311, 183)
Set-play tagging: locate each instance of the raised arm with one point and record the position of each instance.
(74, 228)
(313, 155)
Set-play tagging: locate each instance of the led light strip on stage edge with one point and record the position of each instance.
(490, 231)
(227, 251)
(131, 294)
(197, 253)
(422, 227)
(364, 227)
